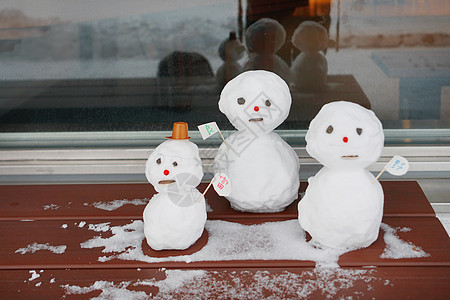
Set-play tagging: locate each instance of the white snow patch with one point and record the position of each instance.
(200, 284)
(115, 204)
(38, 284)
(109, 290)
(81, 224)
(102, 227)
(50, 207)
(52, 280)
(34, 275)
(397, 248)
(227, 241)
(37, 247)
(64, 226)
(208, 207)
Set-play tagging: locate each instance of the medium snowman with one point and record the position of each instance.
(343, 204)
(175, 217)
(263, 168)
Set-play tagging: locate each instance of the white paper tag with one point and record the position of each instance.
(397, 166)
(222, 184)
(208, 129)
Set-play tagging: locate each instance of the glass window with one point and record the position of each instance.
(136, 66)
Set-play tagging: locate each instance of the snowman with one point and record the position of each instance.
(263, 168)
(175, 217)
(343, 204)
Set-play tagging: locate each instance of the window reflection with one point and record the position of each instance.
(110, 66)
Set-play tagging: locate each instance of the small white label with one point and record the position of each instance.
(397, 166)
(208, 129)
(222, 184)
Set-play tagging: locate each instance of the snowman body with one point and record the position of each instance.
(264, 173)
(343, 204)
(262, 167)
(345, 208)
(175, 217)
(170, 226)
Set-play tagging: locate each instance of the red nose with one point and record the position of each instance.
(256, 108)
(345, 139)
(166, 172)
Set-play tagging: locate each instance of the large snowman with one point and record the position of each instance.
(343, 204)
(263, 168)
(175, 217)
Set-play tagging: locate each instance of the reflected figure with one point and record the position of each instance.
(230, 51)
(184, 64)
(179, 75)
(310, 67)
(263, 39)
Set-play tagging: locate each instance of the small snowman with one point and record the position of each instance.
(262, 167)
(343, 204)
(310, 67)
(263, 39)
(175, 217)
(230, 51)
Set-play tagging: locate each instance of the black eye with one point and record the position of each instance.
(359, 131)
(158, 161)
(268, 103)
(175, 164)
(330, 129)
(241, 101)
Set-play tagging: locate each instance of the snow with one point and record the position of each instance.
(102, 227)
(34, 275)
(227, 241)
(256, 102)
(50, 207)
(397, 248)
(81, 224)
(200, 284)
(38, 247)
(115, 204)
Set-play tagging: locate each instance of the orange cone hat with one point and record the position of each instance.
(180, 131)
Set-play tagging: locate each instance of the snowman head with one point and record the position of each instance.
(345, 135)
(256, 101)
(173, 165)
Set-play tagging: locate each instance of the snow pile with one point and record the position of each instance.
(201, 284)
(115, 204)
(397, 248)
(37, 247)
(227, 241)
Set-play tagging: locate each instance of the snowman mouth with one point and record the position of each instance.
(165, 182)
(256, 120)
(349, 156)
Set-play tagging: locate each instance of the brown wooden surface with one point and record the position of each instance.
(426, 233)
(390, 283)
(404, 198)
(405, 206)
